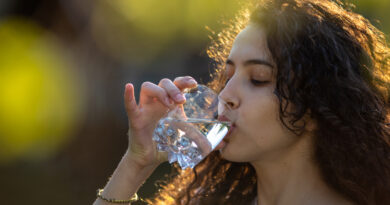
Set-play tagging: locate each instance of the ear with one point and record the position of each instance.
(311, 123)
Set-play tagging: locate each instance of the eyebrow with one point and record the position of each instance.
(252, 62)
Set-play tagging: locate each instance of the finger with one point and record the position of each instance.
(162, 156)
(173, 91)
(129, 100)
(185, 82)
(193, 133)
(150, 91)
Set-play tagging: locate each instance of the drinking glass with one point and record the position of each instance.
(191, 131)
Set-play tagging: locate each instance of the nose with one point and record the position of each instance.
(229, 96)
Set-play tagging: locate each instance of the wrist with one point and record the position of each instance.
(134, 161)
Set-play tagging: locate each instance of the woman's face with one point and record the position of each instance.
(259, 134)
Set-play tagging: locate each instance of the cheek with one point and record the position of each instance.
(261, 114)
(262, 124)
(261, 131)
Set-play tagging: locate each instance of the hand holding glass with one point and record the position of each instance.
(191, 131)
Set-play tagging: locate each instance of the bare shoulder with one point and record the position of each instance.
(343, 201)
(335, 200)
(350, 203)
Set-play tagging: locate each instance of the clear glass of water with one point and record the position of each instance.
(191, 131)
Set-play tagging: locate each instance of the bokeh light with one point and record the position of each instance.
(38, 103)
(63, 67)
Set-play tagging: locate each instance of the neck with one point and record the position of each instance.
(292, 178)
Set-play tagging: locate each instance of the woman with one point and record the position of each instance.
(309, 83)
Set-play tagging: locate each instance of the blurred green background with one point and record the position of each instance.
(63, 67)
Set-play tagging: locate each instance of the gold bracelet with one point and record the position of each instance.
(116, 201)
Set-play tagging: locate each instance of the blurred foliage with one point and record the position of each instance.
(377, 11)
(138, 31)
(38, 105)
(58, 56)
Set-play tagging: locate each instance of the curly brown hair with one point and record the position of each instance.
(332, 63)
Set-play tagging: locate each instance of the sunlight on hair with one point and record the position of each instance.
(218, 51)
(221, 43)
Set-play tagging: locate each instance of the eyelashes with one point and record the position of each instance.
(253, 82)
(258, 82)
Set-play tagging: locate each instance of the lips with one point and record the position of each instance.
(231, 129)
(226, 139)
(223, 118)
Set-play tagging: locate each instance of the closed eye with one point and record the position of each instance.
(258, 83)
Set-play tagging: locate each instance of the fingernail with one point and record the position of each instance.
(192, 81)
(179, 97)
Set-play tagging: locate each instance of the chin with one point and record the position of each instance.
(229, 156)
(240, 156)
